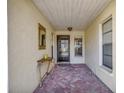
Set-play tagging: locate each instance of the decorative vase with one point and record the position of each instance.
(45, 56)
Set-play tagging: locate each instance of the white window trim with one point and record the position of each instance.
(100, 46)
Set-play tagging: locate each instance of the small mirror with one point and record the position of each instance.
(41, 37)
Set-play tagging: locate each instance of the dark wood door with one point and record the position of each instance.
(63, 48)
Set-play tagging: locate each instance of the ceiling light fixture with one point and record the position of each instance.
(69, 28)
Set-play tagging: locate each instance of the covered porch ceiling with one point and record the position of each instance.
(77, 14)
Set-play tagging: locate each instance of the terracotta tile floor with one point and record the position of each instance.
(72, 79)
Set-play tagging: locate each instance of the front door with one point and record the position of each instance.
(63, 48)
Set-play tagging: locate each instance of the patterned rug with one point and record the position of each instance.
(72, 79)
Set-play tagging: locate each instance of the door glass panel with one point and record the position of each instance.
(64, 48)
(63, 53)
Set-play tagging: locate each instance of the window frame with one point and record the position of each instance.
(80, 40)
(111, 31)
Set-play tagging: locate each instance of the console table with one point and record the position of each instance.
(48, 61)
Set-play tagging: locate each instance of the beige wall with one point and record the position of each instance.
(93, 46)
(73, 34)
(23, 19)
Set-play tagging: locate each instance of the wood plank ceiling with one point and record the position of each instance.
(71, 13)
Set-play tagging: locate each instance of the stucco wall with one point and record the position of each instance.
(93, 42)
(23, 19)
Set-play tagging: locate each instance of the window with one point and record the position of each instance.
(107, 43)
(78, 46)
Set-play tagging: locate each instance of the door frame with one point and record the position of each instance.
(68, 46)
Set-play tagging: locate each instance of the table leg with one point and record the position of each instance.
(39, 67)
(48, 67)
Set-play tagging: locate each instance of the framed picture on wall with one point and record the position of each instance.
(78, 46)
